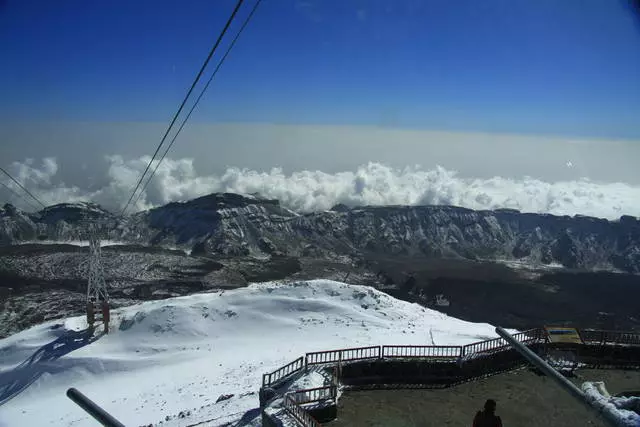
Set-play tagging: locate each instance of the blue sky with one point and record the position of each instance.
(569, 67)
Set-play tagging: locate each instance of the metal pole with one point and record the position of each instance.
(570, 387)
(93, 409)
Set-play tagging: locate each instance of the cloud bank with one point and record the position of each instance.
(369, 184)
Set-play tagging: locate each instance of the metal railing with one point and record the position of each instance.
(485, 347)
(294, 399)
(421, 351)
(436, 352)
(317, 394)
(593, 336)
(530, 336)
(496, 345)
(282, 373)
(343, 355)
(298, 412)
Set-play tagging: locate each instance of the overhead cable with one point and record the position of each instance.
(21, 187)
(19, 196)
(195, 104)
(184, 101)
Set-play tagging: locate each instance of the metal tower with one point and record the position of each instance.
(97, 295)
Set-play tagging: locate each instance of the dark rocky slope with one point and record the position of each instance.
(232, 225)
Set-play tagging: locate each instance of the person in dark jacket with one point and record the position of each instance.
(488, 417)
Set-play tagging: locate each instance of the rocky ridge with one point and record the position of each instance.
(235, 225)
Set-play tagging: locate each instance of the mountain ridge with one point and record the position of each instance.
(228, 224)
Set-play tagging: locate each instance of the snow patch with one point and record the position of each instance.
(174, 356)
(620, 408)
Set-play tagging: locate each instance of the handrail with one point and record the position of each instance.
(531, 335)
(481, 348)
(280, 374)
(437, 353)
(499, 344)
(317, 394)
(421, 351)
(596, 336)
(343, 355)
(298, 412)
(485, 347)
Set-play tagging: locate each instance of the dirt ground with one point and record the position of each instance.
(524, 399)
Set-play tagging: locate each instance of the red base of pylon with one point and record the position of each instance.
(103, 314)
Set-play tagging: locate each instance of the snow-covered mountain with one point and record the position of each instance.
(170, 361)
(231, 224)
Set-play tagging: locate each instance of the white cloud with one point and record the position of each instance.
(369, 184)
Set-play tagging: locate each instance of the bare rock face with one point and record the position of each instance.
(222, 241)
(234, 225)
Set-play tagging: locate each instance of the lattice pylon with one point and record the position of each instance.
(97, 295)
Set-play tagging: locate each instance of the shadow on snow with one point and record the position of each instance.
(16, 380)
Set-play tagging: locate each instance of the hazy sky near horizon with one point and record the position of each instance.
(516, 90)
(258, 146)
